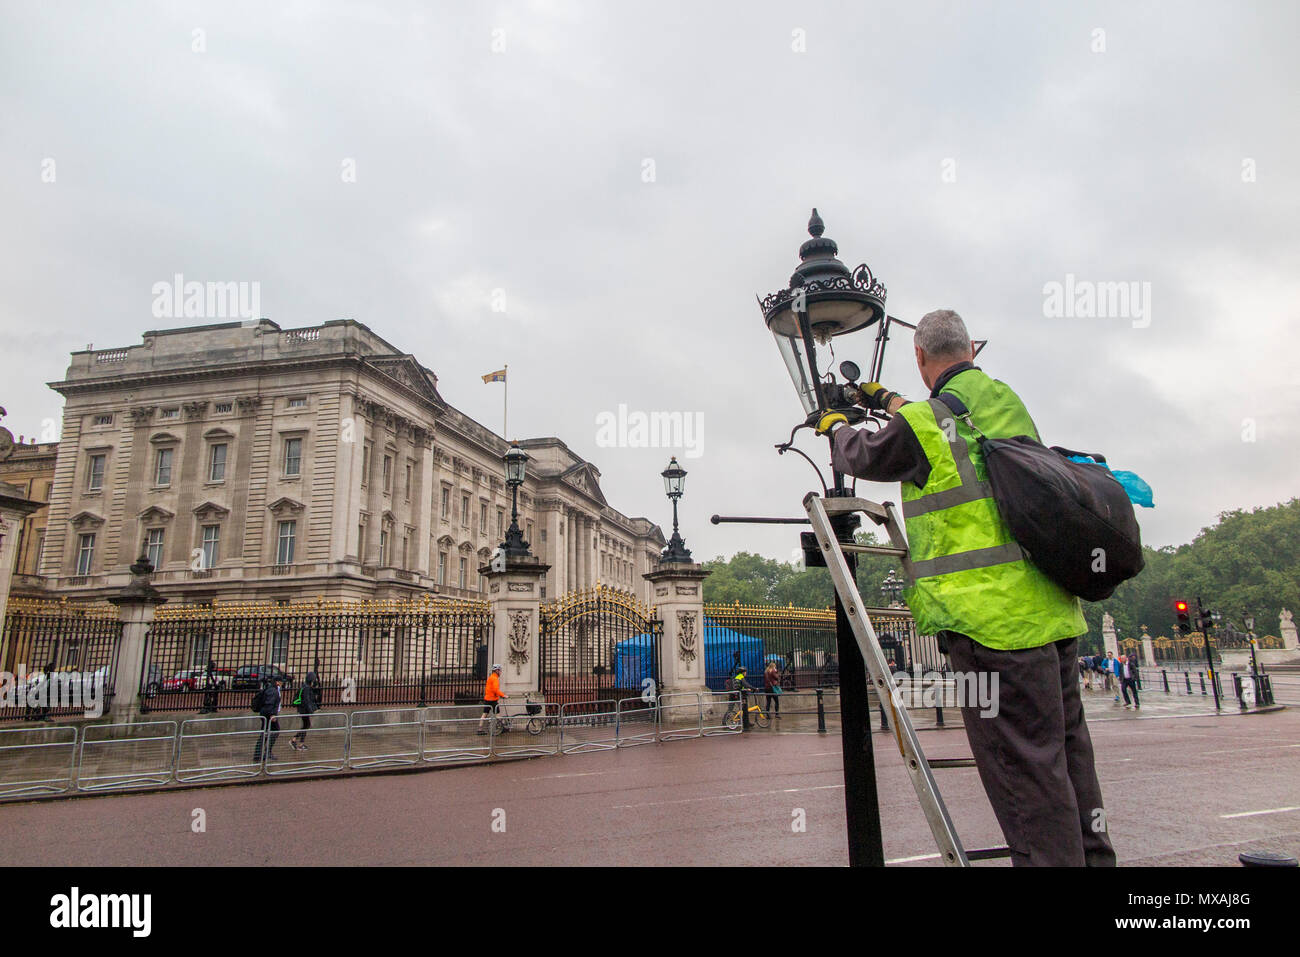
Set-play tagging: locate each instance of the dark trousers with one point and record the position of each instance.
(271, 728)
(1035, 755)
(301, 736)
(773, 701)
(1127, 685)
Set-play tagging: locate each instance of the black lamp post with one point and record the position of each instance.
(674, 486)
(892, 587)
(823, 300)
(514, 546)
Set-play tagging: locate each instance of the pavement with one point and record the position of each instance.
(1182, 787)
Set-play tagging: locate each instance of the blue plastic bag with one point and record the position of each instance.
(1138, 491)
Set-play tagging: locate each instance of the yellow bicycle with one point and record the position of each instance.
(756, 715)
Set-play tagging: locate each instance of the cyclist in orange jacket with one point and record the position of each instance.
(492, 696)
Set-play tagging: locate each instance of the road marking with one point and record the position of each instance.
(912, 860)
(727, 797)
(1272, 810)
(581, 774)
(1265, 747)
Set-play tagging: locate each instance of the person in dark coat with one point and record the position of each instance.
(1128, 680)
(269, 709)
(308, 702)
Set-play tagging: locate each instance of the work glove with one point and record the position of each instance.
(825, 420)
(875, 396)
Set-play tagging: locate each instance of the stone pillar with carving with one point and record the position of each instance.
(1287, 631)
(1108, 636)
(135, 609)
(678, 593)
(1148, 649)
(514, 599)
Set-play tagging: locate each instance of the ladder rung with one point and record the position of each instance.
(988, 853)
(952, 762)
(873, 549)
(841, 506)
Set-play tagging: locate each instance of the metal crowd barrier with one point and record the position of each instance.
(638, 722)
(107, 757)
(379, 739)
(452, 733)
(123, 756)
(588, 726)
(535, 729)
(218, 749)
(680, 716)
(37, 760)
(326, 744)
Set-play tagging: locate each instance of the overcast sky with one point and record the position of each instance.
(594, 193)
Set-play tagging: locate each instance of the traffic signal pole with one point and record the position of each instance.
(1202, 618)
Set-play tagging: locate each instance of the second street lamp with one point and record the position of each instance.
(892, 587)
(675, 485)
(514, 546)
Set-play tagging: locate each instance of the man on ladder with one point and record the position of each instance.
(973, 587)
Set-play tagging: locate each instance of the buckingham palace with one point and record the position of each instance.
(250, 462)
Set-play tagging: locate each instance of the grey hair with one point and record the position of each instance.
(942, 335)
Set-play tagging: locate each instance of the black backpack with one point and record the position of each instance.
(259, 700)
(1073, 519)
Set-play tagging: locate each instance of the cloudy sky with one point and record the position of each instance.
(594, 193)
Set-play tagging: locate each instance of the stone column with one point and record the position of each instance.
(1108, 637)
(135, 609)
(514, 597)
(679, 599)
(1287, 632)
(1148, 649)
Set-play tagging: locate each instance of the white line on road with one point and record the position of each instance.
(1272, 810)
(1264, 747)
(727, 797)
(582, 774)
(912, 860)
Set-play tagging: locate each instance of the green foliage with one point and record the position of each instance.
(1246, 564)
(754, 580)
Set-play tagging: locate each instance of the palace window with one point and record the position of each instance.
(223, 408)
(442, 568)
(365, 465)
(285, 538)
(383, 546)
(211, 545)
(464, 510)
(95, 473)
(154, 547)
(170, 413)
(501, 522)
(162, 474)
(104, 419)
(85, 553)
(446, 504)
(292, 456)
(388, 474)
(217, 463)
(408, 481)
(298, 402)
(463, 563)
(482, 519)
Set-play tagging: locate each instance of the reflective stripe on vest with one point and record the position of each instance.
(971, 489)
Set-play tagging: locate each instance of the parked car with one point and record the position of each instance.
(189, 680)
(221, 678)
(250, 677)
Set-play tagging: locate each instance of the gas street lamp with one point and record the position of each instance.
(892, 587)
(674, 486)
(514, 546)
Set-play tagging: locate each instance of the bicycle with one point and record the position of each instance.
(535, 723)
(756, 715)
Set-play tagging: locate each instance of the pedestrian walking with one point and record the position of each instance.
(1129, 680)
(772, 687)
(1112, 674)
(267, 704)
(209, 689)
(975, 589)
(308, 702)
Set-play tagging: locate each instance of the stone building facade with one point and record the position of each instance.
(29, 467)
(252, 462)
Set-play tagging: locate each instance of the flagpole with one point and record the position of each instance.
(505, 406)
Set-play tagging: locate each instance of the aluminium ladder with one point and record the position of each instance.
(919, 768)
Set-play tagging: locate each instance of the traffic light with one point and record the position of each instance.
(1184, 616)
(1206, 620)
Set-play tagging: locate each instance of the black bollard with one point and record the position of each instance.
(1165, 675)
(821, 713)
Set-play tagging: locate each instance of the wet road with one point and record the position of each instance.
(1192, 790)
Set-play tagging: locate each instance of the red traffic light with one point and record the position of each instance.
(1180, 606)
